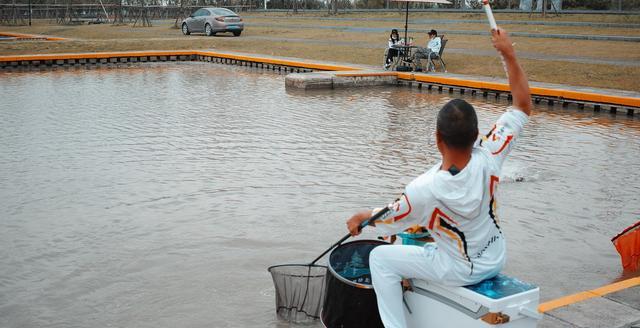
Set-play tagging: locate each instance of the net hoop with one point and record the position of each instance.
(270, 269)
(299, 290)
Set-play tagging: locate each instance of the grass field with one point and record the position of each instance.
(302, 36)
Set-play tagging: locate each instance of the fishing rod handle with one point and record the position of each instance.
(376, 216)
(494, 26)
(489, 12)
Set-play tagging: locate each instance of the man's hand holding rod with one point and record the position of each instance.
(517, 78)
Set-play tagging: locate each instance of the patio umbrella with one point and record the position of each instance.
(406, 18)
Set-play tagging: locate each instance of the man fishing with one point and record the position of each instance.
(455, 200)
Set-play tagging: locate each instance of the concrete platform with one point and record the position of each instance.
(616, 310)
(340, 79)
(629, 297)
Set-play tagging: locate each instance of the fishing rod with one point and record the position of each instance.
(494, 26)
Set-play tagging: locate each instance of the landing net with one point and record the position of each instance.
(299, 291)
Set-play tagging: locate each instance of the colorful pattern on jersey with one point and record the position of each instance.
(486, 137)
(396, 207)
(440, 222)
(504, 145)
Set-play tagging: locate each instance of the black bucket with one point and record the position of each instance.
(350, 301)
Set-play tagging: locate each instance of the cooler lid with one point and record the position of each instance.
(501, 286)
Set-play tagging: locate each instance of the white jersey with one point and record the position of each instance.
(434, 44)
(460, 210)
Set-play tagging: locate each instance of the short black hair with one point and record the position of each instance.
(433, 32)
(457, 124)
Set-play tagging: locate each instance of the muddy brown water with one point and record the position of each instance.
(157, 195)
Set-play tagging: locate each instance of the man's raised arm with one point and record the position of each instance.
(517, 78)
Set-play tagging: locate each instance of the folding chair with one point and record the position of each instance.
(395, 60)
(432, 56)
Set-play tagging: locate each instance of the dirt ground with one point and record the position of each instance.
(302, 36)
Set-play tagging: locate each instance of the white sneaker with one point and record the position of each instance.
(386, 66)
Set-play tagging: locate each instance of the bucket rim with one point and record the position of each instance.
(345, 280)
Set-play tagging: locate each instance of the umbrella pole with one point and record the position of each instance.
(406, 23)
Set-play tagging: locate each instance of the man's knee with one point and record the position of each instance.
(376, 258)
(376, 263)
(380, 263)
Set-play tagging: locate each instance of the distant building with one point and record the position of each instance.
(526, 5)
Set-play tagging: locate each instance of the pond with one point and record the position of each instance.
(157, 195)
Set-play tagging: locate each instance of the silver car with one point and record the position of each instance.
(211, 21)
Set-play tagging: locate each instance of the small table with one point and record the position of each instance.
(406, 51)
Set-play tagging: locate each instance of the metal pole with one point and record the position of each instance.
(406, 23)
(106, 16)
(29, 12)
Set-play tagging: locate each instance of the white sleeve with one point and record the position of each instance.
(403, 213)
(499, 141)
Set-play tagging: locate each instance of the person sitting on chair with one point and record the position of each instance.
(433, 47)
(394, 39)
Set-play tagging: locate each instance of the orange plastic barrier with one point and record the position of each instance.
(31, 36)
(96, 55)
(277, 61)
(560, 94)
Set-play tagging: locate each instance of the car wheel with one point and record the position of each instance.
(185, 29)
(237, 33)
(207, 30)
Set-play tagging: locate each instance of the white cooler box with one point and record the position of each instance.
(501, 301)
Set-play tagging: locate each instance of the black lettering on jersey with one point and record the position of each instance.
(489, 243)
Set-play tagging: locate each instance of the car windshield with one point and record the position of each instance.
(223, 12)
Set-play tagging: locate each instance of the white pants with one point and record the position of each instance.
(391, 263)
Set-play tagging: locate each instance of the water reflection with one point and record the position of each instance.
(157, 195)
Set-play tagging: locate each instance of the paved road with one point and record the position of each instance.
(456, 21)
(459, 32)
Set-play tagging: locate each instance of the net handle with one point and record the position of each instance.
(362, 225)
